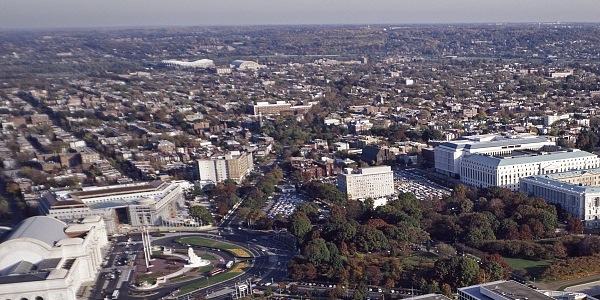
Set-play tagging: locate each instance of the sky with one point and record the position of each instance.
(135, 13)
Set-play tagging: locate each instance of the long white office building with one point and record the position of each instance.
(137, 204)
(372, 182)
(577, 192)
(512, 290)
(485, 170)
(449, 155)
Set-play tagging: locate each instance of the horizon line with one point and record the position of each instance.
(125, 27)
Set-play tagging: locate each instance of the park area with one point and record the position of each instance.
(235, 250)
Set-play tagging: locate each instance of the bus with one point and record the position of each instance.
(115, 294)
(229, 264)
(215, 271)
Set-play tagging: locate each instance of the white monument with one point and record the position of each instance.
(195, 261)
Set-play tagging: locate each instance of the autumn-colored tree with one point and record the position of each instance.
(373, 275)
(575, 225)
(12, 189)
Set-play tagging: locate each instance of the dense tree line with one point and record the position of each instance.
(359, 242)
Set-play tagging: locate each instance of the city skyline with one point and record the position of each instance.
(111, 13)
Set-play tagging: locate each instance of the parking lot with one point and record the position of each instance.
(408, 181)
(284, 204)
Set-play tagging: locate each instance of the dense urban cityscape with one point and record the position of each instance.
(427, 162)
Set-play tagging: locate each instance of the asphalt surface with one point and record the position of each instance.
(271, 251)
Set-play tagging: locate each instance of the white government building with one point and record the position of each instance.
(449, 155)
(577, 192)
(136, 204)
(485, 171)
(372, 182)
(44, 258)
(512, 290)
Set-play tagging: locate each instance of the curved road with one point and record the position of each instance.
(269, 264)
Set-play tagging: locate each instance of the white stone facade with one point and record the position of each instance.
(448, 155)
(485, 171)
(373, 182)
(145, 203)
(44, 258)
(577, 192)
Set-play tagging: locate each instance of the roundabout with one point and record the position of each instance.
(189, 264)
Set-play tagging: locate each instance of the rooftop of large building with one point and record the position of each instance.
(54, 230)
(525, 157)
(428, 297)
(503, 290)
(116, 190)
(487, 141)
(559, 180)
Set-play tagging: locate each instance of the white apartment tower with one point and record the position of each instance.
(372, 182)
(234, 165)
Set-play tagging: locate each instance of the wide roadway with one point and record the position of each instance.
(271, 256)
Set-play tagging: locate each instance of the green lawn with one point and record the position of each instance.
(208, 256)
(418, 257)
(200, 283)
(235, 250)
(206, 243)
(204, 269)
(534, 268)
(181, 278)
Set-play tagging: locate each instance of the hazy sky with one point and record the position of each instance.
(94, 13)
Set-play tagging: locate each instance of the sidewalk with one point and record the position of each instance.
(555, 285)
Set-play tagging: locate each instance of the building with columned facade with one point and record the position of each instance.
(43, 258)
(448, 156)
(577, 192)
(136, 204)
(484, 170)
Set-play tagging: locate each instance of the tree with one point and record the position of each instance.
(445, 250)
(300, 225)
(316, 252)
(12, 189)
(457, 271)
(370, 239)
(310, 209)
(495, 267)
(201, 214)
(4, 208)
(575, 225)
(373, 274)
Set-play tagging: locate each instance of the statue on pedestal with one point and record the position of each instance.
(194, 260)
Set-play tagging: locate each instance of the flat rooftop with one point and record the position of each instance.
(116, 190)
(429, 297)
(503, 290)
